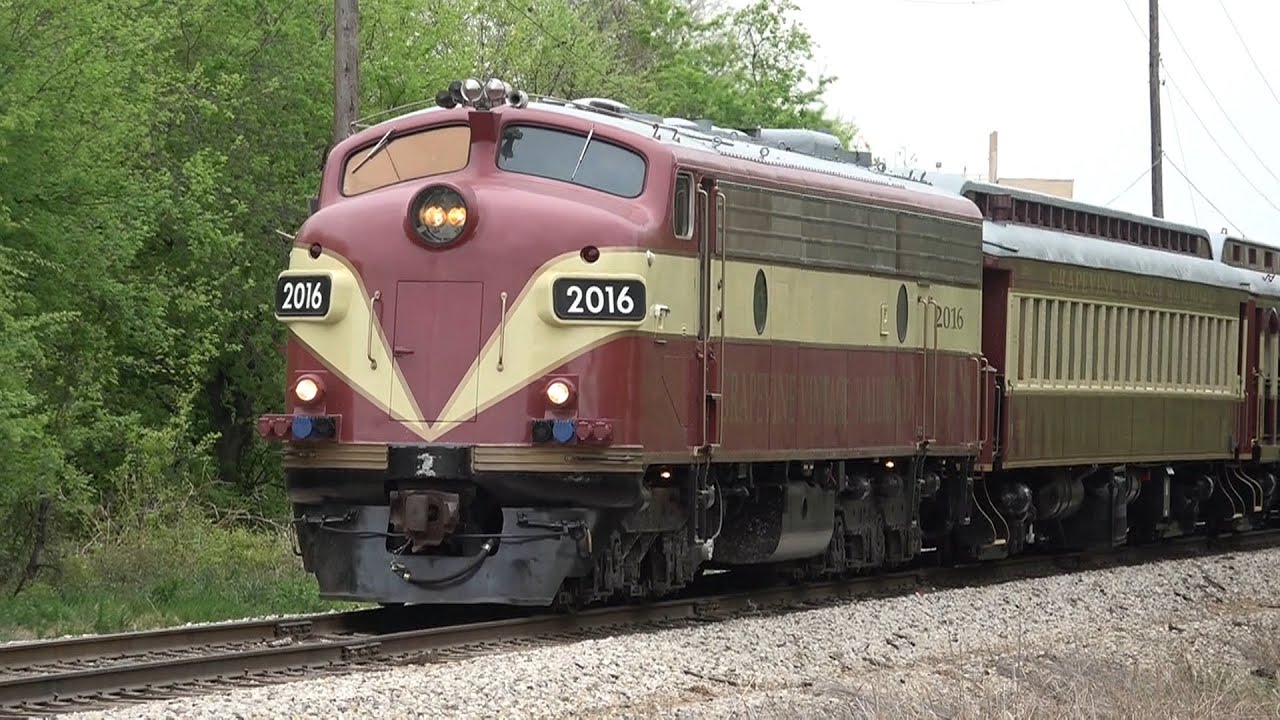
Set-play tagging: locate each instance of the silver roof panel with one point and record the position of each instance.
(676, 132)
(1257, 279)
(959, 184)
(1019, 241)
(1000, 240)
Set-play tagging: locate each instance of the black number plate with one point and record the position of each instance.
(303, 295)
(598, 299)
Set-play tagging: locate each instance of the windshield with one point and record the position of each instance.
(554, 154)
(407, 157)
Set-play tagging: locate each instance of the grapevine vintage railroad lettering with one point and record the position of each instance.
(1128, 287)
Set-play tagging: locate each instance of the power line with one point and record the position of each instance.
(1125, 3)
(1196, 115)
(1245, 45)
(1214, 95)
(1195, 212)
(1222, 150)
(1174, 165)
(557, 40)
(1130, 185)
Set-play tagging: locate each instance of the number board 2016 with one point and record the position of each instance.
(598, 299)
(303, 295)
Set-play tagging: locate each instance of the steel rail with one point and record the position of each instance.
(22, 654)
(28, 654)
(156, 679)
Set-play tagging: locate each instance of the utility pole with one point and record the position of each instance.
(1157, 152)
(346, 67)
(992, 144)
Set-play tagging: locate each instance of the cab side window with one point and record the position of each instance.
(682, 214)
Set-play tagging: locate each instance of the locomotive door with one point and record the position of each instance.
(1250, 411)
(925, 429)
(711, 341)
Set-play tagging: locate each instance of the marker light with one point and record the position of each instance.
(307, 389)
(302, 426)
(558, 393)
(562, 430)
(541, 431)
(308, 427)
(438, 215)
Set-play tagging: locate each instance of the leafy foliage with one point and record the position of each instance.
(178, 573)
(745, 68)
(150, 151)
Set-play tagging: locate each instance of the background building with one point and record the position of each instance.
(1063, 188)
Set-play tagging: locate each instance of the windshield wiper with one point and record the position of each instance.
(582, 154)
(382, 144)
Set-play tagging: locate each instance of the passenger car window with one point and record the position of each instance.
(554, 154)
(408, 157)
(683, 206)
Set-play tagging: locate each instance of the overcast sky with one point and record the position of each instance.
(1065, 84)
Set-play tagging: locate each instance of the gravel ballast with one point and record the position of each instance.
(1084, 641)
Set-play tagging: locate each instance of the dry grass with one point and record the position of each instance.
(1262, 650)
(1034, 686)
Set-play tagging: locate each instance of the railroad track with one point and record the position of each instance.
(46, 672)
(46, 678)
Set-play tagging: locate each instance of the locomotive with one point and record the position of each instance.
(545, 352)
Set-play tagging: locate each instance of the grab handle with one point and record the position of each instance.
(373, 319)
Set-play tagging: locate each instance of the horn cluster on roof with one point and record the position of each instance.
(814, 143)
(481, 96)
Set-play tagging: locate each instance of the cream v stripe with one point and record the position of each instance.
(804, 306)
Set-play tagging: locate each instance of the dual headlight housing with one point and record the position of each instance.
(438, 215)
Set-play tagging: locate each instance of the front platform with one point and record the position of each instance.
(525, 564)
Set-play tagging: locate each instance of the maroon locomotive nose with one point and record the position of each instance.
(573, 352)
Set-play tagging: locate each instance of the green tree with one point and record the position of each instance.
(150, 152)
(743, 68)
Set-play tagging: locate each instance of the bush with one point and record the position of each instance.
(194, 571)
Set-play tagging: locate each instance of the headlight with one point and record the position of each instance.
(558, 393)
(308, 389)
(439, 215)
